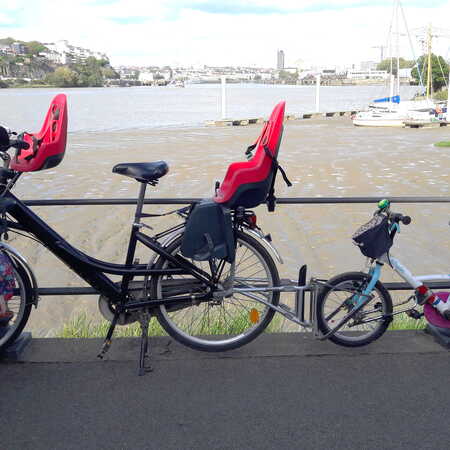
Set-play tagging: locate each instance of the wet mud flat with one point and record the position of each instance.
(322, 157)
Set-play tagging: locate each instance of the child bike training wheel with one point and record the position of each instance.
(340, 297)
(219, 323)
(16, 307)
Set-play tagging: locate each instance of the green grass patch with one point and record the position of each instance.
(403, 322)
(82, 326)
(442, 144)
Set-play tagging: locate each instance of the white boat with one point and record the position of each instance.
(391, 111)
(392, 114)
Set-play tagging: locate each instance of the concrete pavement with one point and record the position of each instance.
(283, 391)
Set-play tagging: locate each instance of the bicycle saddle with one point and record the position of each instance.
(143, 172)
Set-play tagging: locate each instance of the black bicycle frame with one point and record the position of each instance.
(93, 271)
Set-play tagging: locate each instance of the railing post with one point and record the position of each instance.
(318, 92)
(224, 100)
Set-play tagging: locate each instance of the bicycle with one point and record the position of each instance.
(213, 284)
(355, 308)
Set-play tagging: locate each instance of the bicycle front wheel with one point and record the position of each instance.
(227, 322)
(340, 296)
(19, 307)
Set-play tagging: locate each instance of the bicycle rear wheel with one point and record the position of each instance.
(336, 300)
(20, 306)
(225, 323)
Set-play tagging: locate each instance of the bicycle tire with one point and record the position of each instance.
(21, 306)
(352, 334)
(226, 323)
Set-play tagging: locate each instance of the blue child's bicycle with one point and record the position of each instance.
(355, 308)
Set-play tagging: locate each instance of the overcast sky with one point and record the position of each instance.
(244, 32)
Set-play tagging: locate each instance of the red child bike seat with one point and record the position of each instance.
(248, 183)
(48, 146)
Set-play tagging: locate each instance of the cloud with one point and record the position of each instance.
(159, 32)
(230, 7)
(131, 20)
(233, 7)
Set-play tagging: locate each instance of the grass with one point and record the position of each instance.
(403, 322)
(82, 326)
(442, 144)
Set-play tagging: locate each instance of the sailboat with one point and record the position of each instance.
(440, 113)
(392, 111)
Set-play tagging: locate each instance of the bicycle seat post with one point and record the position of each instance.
(140, 204)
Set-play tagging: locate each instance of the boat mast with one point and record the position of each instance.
(447, 114)
(397, 7)
(390, 44)
(429, 85)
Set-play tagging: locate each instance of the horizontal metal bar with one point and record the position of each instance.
(286, 284)
(68, 291)
(395, 286)
(110, 201)
(184, 201)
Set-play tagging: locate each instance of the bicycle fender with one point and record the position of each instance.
(20, 260)
(267, 243)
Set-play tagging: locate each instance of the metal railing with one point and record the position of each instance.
(185, 201)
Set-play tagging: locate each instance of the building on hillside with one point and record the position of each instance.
(18, 48)
(61, 52)
(280, 60)
(5, 49)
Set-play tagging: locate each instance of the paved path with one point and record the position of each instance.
(280, 392)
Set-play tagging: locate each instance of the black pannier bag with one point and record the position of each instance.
(209, 233)
(373, 238)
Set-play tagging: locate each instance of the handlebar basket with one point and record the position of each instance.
(373, 238)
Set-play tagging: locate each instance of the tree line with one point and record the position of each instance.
(90, 73)
(439, 69)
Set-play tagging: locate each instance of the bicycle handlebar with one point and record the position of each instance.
(384, 205)
(6, 142)
(398, 217)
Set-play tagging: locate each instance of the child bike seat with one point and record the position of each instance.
(250, 183)
(47, 147)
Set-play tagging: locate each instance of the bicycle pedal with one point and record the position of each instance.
(414, 314)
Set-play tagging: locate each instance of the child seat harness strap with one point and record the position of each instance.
(271, 199)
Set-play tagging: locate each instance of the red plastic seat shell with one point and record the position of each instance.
(54, 138)
(258, 168)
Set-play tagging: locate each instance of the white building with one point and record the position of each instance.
(367, 74)
(146, 77)
(61, 52)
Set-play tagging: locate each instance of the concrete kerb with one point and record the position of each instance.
(276, 345)
(253, 121)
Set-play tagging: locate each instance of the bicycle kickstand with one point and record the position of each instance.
(107, 341)
(144, 320)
